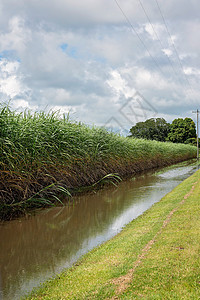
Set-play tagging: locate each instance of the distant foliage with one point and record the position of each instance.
(152, 129)
(182, 131)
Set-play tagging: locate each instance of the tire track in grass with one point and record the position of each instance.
(123, 282)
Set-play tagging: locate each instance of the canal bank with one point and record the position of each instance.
(54, 239)
(45, 158)
(155, 256)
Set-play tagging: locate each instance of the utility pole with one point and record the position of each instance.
(197, 112)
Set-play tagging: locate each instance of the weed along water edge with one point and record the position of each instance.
(38, 247)
(156, 256)
(44, 158)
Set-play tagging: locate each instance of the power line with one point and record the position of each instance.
(175, 49)
(197, 112)
(162, 46)
(129, 22)
(153, 59)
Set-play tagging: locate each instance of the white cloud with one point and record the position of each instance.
(155, 30)
(20, 103)
(85, 58)
(64, 109)
(116, 82)
(10, 85)
(191, 71)
(167, 52)
(15, 37)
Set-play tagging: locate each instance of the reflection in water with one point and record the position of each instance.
(36, 248)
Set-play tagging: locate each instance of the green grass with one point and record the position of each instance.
(44, 156)
(169, 269)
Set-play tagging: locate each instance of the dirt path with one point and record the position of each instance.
(123, 282)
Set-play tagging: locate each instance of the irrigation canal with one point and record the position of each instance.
(37, 247)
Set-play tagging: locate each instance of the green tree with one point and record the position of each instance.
(182, 131)
(152, 129)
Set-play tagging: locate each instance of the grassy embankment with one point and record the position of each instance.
(155, 257)
(43, 156)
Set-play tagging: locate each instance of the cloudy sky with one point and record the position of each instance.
(113, 62)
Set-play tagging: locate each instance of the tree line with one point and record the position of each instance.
(179, 131)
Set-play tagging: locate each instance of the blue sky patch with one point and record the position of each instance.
(70, 50)
(64, 47)
(9, 55)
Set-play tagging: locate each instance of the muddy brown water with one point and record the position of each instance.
(35, 248)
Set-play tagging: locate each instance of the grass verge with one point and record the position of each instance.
(155, 257)
(45, 158)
